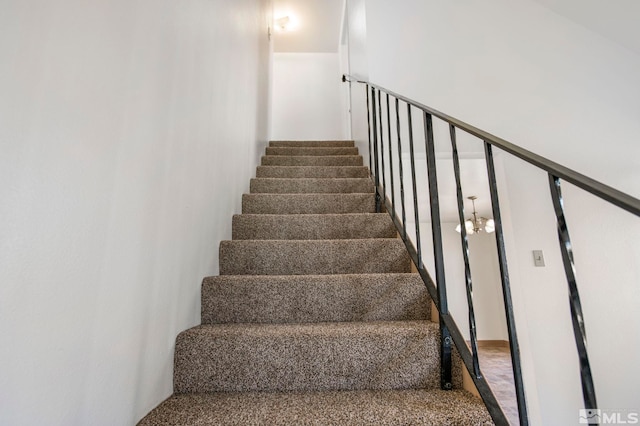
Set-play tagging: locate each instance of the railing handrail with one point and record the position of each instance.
(599, 189)
(449, 330)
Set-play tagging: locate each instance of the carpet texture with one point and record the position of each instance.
(308, 144)
(315, 151)
(315, 318)
(313, 356)
(313, 298)
(312, 172)
(299, 257)
(312, 226)
(308, 203)
(311, 185)
(312, 160)
(332, 408)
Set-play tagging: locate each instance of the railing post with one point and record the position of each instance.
(588, 390)
(404, 211)
(393, 193)
(384, 180)
(465, 252)
(369, 130)
(416, 214)
(506, 288)
(375, 151)
(446, 341)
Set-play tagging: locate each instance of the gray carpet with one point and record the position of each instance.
(315, 318)
(316, 150)
(312, 226)
(307, 144)
(312, 160)
(311, 185)
(312, 172)
(333, 408)
(308, 203)
(313, 298)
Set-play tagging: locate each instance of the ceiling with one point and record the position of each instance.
(318, 25)
(616, 20)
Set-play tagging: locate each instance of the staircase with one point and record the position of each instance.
(315, 317)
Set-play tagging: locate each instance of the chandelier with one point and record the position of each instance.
(476, 224)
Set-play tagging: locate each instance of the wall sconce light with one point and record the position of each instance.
(286, 23)
(283, 23)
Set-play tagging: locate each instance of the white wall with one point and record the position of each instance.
(308, 102)
(128, 132)
(356, 27)
(522, 72)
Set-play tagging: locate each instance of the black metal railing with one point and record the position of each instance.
(450, 333)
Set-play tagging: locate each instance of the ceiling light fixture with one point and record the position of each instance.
(477, 223)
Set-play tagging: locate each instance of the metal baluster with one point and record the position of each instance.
(393, 193)
(588, 390)
(465, 252)
(404, 212)
(438, 254)
(384, 181)
(506, 288)
(369, 131)
(415, 190)
(375, 150)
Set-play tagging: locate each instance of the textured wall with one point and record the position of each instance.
(128, 131)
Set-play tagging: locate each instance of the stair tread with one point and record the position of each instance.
(372, 407)
(312, 171)
(312, 179)
(308, 203)
(311, 185)
(312, 226)
(320, 143)
(312, 160)
(308, 356)
(312, 329)
(298, 257)
(311, 150)
(314, 298)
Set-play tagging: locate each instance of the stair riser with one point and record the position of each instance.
(310, 160)
(315, 151)
(312, 227)
(342, 356)
(311, 144)
(310, 186)
(316, 298)
(313, 257)
(311, 172)
(307, 203)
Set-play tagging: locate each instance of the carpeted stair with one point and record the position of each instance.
(315, 318)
